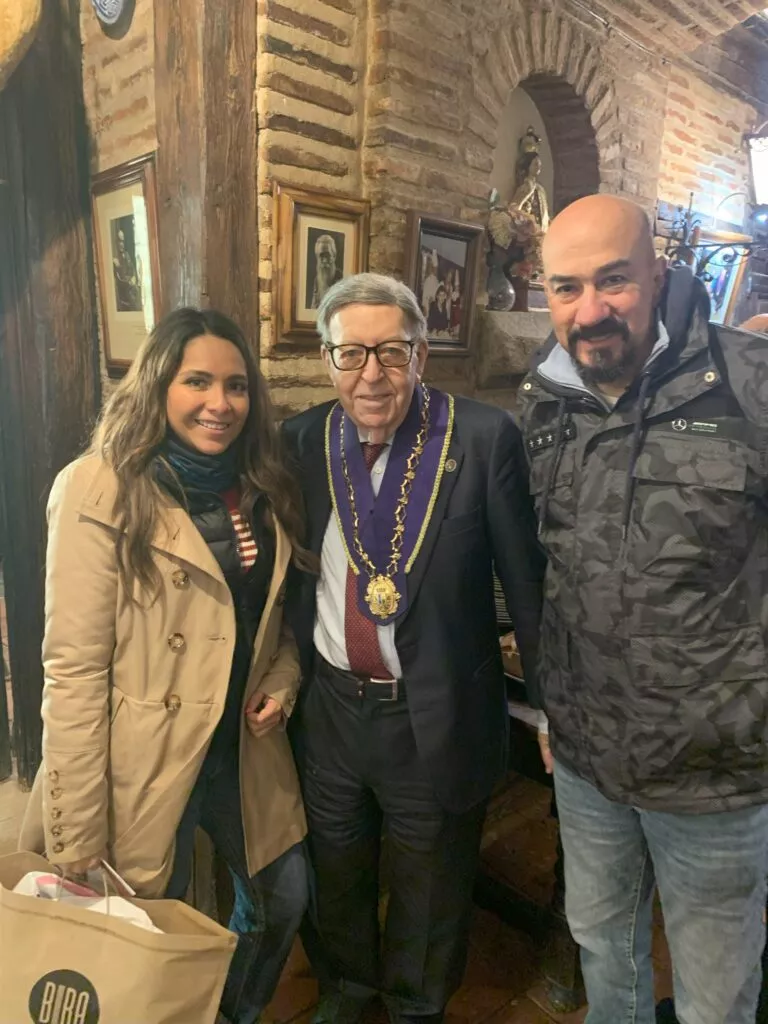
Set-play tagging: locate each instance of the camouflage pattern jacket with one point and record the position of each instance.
(653, 513)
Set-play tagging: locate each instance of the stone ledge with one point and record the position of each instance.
(506, 343)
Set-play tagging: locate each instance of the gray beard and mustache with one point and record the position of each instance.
(324, 277)
(606, 368)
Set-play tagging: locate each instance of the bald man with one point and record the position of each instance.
(647, 434)
(758, 324)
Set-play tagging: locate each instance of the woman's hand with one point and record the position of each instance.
(75, 868)
(262, 714)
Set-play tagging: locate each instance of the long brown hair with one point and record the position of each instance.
(133, 425)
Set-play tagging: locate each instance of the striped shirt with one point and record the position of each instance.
(246, 543)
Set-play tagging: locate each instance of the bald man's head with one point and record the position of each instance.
(603, 283)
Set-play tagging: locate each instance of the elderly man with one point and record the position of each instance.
(327, 273)
(414, 497)
(647, 432)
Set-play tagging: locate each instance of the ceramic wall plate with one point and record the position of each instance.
(108, 11)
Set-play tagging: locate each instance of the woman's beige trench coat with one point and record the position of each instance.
(133, 693)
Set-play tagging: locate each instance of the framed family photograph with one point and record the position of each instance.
(442, 262)
(723, 273)
(124, 202)
(319, 239)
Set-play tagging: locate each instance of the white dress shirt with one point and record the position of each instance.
(332, 588)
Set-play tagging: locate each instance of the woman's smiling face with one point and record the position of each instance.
(208, 400)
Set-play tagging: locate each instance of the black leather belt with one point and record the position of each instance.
(365, 687)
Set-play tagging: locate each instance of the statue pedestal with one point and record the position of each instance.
(505, 344)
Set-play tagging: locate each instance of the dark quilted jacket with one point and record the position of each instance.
(653, 647)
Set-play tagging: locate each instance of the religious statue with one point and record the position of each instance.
(514, 255)
(530, 195)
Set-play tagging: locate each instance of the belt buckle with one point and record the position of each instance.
(388, 682)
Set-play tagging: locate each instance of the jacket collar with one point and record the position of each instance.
(175, 533)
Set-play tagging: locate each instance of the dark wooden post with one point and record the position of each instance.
(205, 79)
(48, 351)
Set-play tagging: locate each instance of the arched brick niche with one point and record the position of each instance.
(572, 83)
(571, 137)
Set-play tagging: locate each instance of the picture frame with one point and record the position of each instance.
(442, 263)
(124, 208)
(320, 238)
(725, 271)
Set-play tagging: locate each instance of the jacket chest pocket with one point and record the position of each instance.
(692, 512)
(551, 482)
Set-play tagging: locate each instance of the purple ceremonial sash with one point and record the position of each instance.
(376, 515)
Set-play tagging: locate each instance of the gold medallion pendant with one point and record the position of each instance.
(382, 597)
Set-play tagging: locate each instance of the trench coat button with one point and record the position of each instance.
(180, 579)
(53, 776)
(55, 794)
(55, 830)
(55, 813)
(177, 642)
(58, 847)
(173, 703)
(710, 377)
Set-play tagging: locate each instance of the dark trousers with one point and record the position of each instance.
(362, 775)
(268, 906)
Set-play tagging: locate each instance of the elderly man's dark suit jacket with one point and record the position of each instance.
(447, 640)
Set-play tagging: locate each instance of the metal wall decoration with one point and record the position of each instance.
(687, 245)
(718, 258)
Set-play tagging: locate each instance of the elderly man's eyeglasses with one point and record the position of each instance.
(388, 353)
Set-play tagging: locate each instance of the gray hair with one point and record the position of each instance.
(326, 240)
(371, 290)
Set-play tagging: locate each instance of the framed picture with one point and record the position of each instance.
(320, 238)
(723, 274)
(442, 260)
(124, 202)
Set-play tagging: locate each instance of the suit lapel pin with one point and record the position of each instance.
(450, 465)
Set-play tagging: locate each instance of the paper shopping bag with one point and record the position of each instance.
(62, 964)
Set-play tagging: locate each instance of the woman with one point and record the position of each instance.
(168, 675)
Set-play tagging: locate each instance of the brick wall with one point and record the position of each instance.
(402, 103)
(702, 150)
(310, 99)
(118, 79)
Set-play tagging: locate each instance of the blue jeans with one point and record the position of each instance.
(711, 873)
(268, 907)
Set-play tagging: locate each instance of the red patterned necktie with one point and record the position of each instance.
(360, 634)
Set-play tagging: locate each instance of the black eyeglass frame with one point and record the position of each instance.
(369, 349)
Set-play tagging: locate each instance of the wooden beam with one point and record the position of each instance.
(205, 77)
(179, 26)
(230, 196)
(48, 349)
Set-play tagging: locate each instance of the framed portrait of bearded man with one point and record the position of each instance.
(124, 205)
(320, 238)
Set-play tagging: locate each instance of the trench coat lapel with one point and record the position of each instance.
(175, 533)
